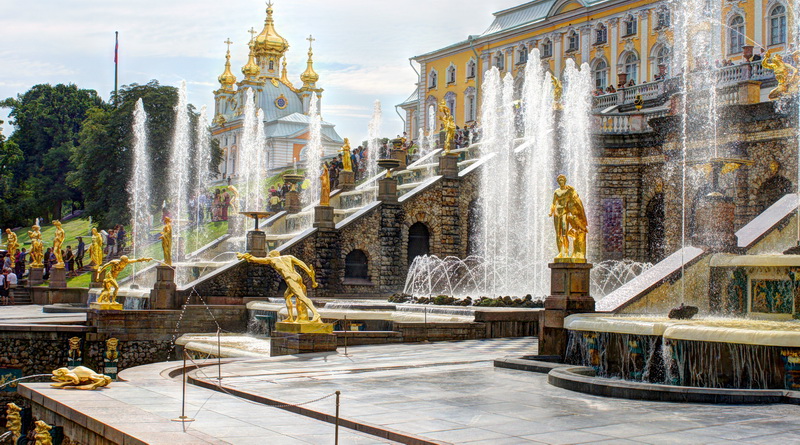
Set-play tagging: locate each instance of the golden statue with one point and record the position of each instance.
(12, 246)
(106, 295)
(166, 241)
(234, 199)
(558, 91)
(96, 249)
(114, 268)
(785, 74)
(14, 421)
(37, 247)
(58, 240)
(324, 187)
(111, 349)
(79, 377)
(347, 164)
(570, 222)
(43, 433)
(74, 352)
(449, 127)
(285, 266)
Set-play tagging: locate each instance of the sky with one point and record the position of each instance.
(361, 47)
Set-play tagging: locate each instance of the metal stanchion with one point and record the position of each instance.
(219, 358)
(183, 417)
(336, 436)
(345, 335)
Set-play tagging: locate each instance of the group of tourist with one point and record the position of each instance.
(8, 281)
(212, 207)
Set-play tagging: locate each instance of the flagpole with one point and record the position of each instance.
(116, 64)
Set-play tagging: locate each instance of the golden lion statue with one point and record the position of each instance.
(74, 348)
(79, 377)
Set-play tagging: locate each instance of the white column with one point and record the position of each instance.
(586, 41)
(758, 22)
(558, 39)
(613, 28)
(644, 50)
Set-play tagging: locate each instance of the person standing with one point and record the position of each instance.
(20, 263)
(121, 239)
(11, 283)
(79, 253)
(3, 289)
(47, 263)
(69, 258)
(111, 243)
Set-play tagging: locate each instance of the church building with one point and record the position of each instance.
(285, 107)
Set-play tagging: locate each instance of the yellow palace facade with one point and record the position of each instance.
(629, 37)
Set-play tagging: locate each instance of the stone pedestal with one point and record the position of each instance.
(286, 343)
(163, 294)
(323, 217)
(309, 327)
(749, 90)
(347, 181)
(293, 202)
(569, 294)
(448, 166)
(257, 243)
(400, 155)
(58, 277)
(97, 282)
(105, 306)
(387, 190)
(35, 275)
(716, 231)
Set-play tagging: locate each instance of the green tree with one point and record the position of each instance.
(47, 119)
(10, 156)
(103, 161)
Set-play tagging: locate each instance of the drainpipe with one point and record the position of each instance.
(477, 77)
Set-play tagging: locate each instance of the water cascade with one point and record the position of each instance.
(179, 168)
(202, 161)
(140, 186)
(373, 141)
(252, 173)
(314, 152)
(575, 146)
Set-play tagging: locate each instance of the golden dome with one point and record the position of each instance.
(250, 70)
(227, 79)
(269, 41)
(309, 76)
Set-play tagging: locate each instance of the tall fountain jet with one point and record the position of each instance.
(373, 142)
(314, 152)
(179, 168)
(140, 184)
(575, 146)
(252, 167)
(202, 161)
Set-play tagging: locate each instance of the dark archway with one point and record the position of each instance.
(771, 191)
(419, 241)
(356, 265)
(655, 228)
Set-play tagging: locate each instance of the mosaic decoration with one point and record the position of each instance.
(613, 234)
(772, 296)
(791, 363)
(7, 375)
(737, 293)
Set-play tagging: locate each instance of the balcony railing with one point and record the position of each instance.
(618, 123)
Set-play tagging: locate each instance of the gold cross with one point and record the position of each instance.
(310, 40)
(228, 41)
(252, 34)
(269, 4)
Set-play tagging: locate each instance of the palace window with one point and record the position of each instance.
(662, 58)
(451, 74)
(736, 34)
(522, 54)
(470, 108)
(547, 48)
(471, 69)
(500, 61)
(433, 79)
(271, 64)
(632, 67)
(777, 25)
(600, 73)
(600, 34)
(573, 41)
(631, 26)
(663, 20)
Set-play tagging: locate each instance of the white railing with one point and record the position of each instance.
(626, 123)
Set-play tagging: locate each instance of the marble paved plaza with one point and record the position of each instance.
(451, 393)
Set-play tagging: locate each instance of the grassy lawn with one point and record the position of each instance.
(72, 229)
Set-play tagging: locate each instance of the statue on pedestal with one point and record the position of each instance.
(112, 270)
(570, 222)
(96, 249)
(37, 248)
(12, 245)
(347, 164)
(324, 187)
(166, 240)
(285, 266)
(58, 240)
(449, 125)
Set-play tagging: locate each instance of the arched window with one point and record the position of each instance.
(471, 69)
(632, 67)
(736, 34)
(631, 25)
(600, 34)
(662, 58)
(547, 48)
(271, 64)
(522, 54)
(419, 241)
(356, 265)
(777, 25)
(432, 79)
(451, 74)
(500, 61)
(600, 74)
(573, 41)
